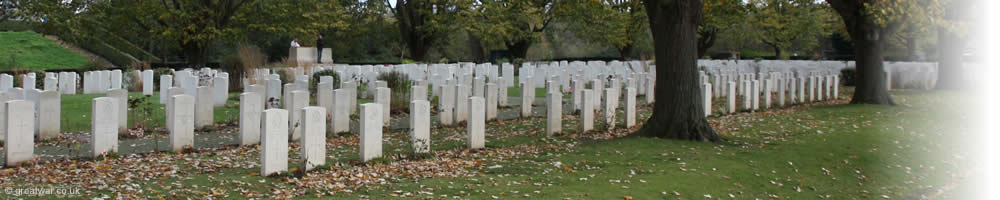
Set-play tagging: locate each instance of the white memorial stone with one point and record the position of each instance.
(274, 142)
(313, 143)
(476, 125)
(371, 131)
(250, 118)
(205, 108)
(104, 121)
(420, 126)
(182, 122)
(19, 146)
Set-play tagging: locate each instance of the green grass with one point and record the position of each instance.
(825, 152)
(33, 51)
(77, 111)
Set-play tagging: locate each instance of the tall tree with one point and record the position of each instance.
(718, 16)
(787, 23)
(871, 23)
(516, 24)
(423, 23)
(619, 24)
(677, 113)
(952, 36)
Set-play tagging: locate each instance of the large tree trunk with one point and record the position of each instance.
(519, 49)
(625, 52)
(778, 54)
(678, 113)
(871, 81)
(869, 40)
(951, 47)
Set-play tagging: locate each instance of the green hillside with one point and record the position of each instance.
(33, 51)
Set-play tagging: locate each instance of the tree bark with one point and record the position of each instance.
(869, 40)
(677, 113)
(519, 49)
(626, 52)
(871, 82)
(951, 48)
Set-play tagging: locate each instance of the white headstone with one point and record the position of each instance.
(166, 81)
(147, 82)
(296, 101)
(274, 142)
(313, 141)
(340, 119)
(182, 122)
(383, 97)
(610, 105)
(250, 118)
(27, 82)
(630, 107)
(51, 83)
(526, 96)
(476, 125)
(707, 98)
(104, 121)
(553, 104)
(446, 104)
(273, 93)
(49, 107)
(122, 98)
(587, 113)
(324, 96)
(220, 91)
(205, 108)
(461, 103)
(420, 126)
(371, 131)
(19, 146)
(491, 101)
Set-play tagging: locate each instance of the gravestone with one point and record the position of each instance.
(731, 97)
(324, 96)
(420, 126)
(340, 119)
(446, 104)
(747, 95)
(6, 82)
(587, 113)
(502, 96)
(297, 100)
(27, 82)
(781, 92)
(182, 122)
(371, 131)
(205, 107)
(220, 91)
(755, 94)
(383, 97)
(50, 83)
(273, 93)
(313, 143)
(526, 99)
(650, 89)
(286, 93)
(491, 101)
(173, 91)
(836, 88)
(250, 117)
(630, 107)
(274, 142)
(706, 91)
(812, 88)
(122, 98)
(166, 81)
(418, 92)
(802, 90)
(610, 105)
(104, 122)
(49, 107)
(577, 93)
(116, 79)
(461, 103)
(147, 82)
(553, 104)
(261, 91)
(767, 93)
(476, 125)
(19, 137)
(479, 87)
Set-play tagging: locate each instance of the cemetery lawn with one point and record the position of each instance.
(76, 111)
(828, 150)
(33, 51)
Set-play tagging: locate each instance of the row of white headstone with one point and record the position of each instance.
(754, 88)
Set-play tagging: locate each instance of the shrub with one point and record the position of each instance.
(314, 80)
(848, 75)
(399, 84)
(93, 65)
(285, 74)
